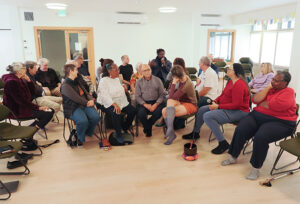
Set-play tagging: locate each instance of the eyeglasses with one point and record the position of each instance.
(146, 70)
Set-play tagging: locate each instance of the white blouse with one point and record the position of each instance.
(111, 91)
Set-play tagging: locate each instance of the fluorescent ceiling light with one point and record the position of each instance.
(167, 9)
(56, 6)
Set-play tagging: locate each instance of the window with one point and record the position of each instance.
(220, 44)
(271, 41)
(268, 47)
(255, 46)
(284, 48)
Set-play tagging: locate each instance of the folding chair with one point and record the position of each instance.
(16, 146)
(10, 132)
(8, 188)
(291, 146)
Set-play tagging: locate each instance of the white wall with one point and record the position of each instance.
(264, 14)
(295, 63)
(111, 40)
(11, 46)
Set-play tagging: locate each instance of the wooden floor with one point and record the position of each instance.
(146, 172)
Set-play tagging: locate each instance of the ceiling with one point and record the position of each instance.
(224, 7)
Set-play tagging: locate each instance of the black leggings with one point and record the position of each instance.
(42, 118)
(264, 129)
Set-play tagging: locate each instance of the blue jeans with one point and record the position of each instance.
(86, 120)
(215, 118)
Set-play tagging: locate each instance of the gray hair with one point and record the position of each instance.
(15, 67)
(71, 62)
(138, 66)
(43, 61)
(77, 55)
(205, 60)
(30, 64)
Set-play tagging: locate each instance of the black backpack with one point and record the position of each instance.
(128, 139)
(29, 144)
(72, 141)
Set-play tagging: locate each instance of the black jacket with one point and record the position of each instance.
(71, 96)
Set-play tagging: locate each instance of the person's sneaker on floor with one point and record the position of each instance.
(221, 148)
(190, 136)
(230, 160)
(254, 174)
(79, 144)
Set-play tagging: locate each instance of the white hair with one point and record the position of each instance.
(205, 60)
(76, 55)
(15, 67)
(138, 66)
(43, 61)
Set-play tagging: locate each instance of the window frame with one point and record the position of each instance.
(232, 42)
(262, 32)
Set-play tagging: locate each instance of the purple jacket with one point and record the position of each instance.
(261, 81)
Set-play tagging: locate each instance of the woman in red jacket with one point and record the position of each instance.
(273, 119)
(231, 106)
(18, 89)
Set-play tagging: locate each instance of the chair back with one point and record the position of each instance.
(192, 72)
(220, 64)
(4, 112)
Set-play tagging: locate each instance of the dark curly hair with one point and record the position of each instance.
(104, 69)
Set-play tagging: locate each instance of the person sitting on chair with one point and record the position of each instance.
(126, 70)
(48, 78)
(135, 77)
(82, 67)
(207, 83)
(149, 95)
(39, 97)
(273, 119)
(212, 65)
(160, 65)
(263, 79)
(18, 92)
(182, 101)
(231, 106)
(78, 104)
(111, 94)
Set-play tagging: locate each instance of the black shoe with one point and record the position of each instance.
(24, 156)
(190, 136)
(149, 133)
(15, 164)
(221, 148)
(79, 144)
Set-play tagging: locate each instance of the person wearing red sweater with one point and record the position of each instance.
(231, 106)
(273, 119)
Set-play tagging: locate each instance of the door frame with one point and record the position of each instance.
(232, 42)
(90, 32)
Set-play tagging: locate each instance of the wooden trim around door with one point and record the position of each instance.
(68, 30)
(232, 43)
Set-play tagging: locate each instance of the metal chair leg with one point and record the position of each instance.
(274, 168)
(6, 189)
(25, 172)
(245, 147)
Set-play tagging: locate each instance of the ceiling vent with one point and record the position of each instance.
(131, 18)
(209, 15)
(210, 24)
(28, 16)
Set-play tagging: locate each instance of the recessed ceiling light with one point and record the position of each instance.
(56, 6)
(167, 9)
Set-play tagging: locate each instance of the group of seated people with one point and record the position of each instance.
(143, 94)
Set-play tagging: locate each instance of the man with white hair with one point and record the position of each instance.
(149, 95)
(207, 83)
(48, 78)
(82, 67)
